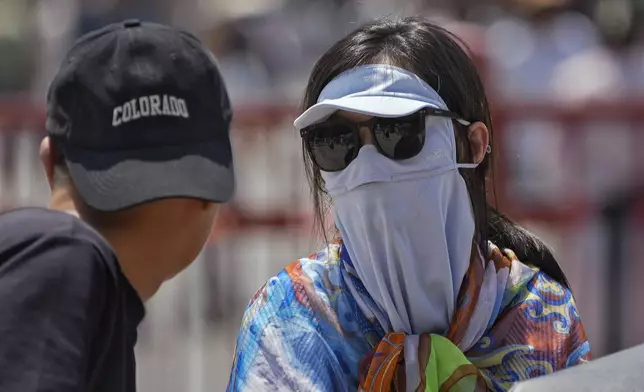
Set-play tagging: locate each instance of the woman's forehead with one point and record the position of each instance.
(353, 116)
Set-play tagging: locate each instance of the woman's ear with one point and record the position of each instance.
(479, 137)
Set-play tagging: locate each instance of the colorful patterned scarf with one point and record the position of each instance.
(309, 329)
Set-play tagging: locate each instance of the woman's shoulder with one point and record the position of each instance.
(524, 275)
(525, 280)
(306, 287)
(550, 336)
(292, 325)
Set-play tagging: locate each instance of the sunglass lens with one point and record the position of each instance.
(333, 147)
(400, 139)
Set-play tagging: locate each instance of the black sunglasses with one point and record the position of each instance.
(334, 143)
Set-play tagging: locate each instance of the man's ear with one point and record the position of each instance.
(48, 158)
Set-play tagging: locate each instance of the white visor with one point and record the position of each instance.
(377, 90)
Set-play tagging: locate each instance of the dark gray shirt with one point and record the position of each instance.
(68, 316)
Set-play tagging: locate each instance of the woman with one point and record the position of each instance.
(424, 290)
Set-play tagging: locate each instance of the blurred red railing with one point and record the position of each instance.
(573, 120)
(17, 115)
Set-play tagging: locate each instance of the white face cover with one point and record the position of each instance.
(408, 225)
(408, 233)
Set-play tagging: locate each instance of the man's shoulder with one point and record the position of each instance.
(35, 222)
(39, 235)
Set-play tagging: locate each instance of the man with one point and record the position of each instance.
(138, 148)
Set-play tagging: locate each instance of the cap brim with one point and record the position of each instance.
(116, 180)
(378, 106)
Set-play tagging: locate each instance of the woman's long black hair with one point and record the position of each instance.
(439, 58)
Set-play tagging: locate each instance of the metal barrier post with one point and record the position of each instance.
(614, 214)
(197, 324)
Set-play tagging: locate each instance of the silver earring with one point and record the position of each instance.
(489, 149)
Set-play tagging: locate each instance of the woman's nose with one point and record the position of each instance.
(365, 136)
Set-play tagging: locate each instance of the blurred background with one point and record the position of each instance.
(566, 81)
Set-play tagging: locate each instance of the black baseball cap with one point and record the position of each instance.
(140, 113)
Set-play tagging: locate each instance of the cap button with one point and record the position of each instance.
(131, 23)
